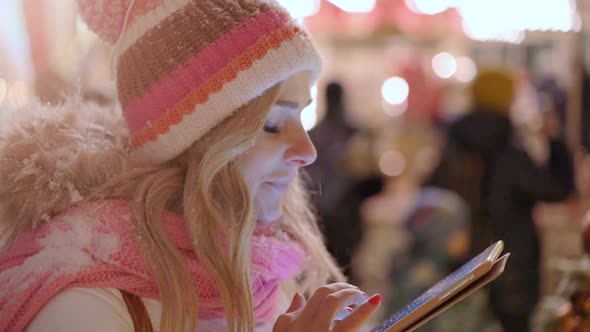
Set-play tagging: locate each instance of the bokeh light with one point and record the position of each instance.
(466, 69)
(392, 163)
(395, 90)
(444, 65)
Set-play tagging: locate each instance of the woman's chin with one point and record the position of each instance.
(269, 217)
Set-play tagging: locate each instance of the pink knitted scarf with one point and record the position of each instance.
(95, 245)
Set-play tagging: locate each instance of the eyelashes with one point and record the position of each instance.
(271, 129)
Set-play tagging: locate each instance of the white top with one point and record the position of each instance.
(103, 309)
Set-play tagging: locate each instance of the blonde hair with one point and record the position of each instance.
(204, 184)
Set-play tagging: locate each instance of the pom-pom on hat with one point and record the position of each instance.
(183, 66)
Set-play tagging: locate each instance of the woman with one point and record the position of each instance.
(200, 222)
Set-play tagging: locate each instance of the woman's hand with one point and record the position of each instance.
(317, 315)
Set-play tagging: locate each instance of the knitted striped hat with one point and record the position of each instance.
(185, 65)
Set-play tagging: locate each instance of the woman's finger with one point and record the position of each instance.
(318, 296)
(334, 303)
(297, 303)
(355, 320)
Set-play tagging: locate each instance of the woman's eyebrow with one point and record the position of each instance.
(292, 104)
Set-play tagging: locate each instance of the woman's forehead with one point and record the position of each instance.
(296, 89)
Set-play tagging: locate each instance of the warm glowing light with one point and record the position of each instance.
(395, 90)
(392, 163)
(309, 116)
(444, 65)
(466, 69)
(482, 32)
(301, 8)
(431, 7)
(355, 6)
(481, 18)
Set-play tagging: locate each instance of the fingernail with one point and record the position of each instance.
(349, 309)
(375, 299)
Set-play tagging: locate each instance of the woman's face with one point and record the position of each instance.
(279, 150)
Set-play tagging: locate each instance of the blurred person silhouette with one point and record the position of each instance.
(339, 192)
(366, 181)
(501, 184)
(416, 235)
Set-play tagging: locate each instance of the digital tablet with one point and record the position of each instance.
(476, 273)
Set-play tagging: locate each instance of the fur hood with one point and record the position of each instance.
(52, 156)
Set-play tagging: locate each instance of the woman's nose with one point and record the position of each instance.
(301, 150)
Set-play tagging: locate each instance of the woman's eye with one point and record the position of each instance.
(271, 129)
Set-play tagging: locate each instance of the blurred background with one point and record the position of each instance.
(403, 187)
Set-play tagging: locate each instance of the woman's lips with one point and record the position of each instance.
(278, 186)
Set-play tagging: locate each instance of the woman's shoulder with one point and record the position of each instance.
(104, 309)
(83, 309)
